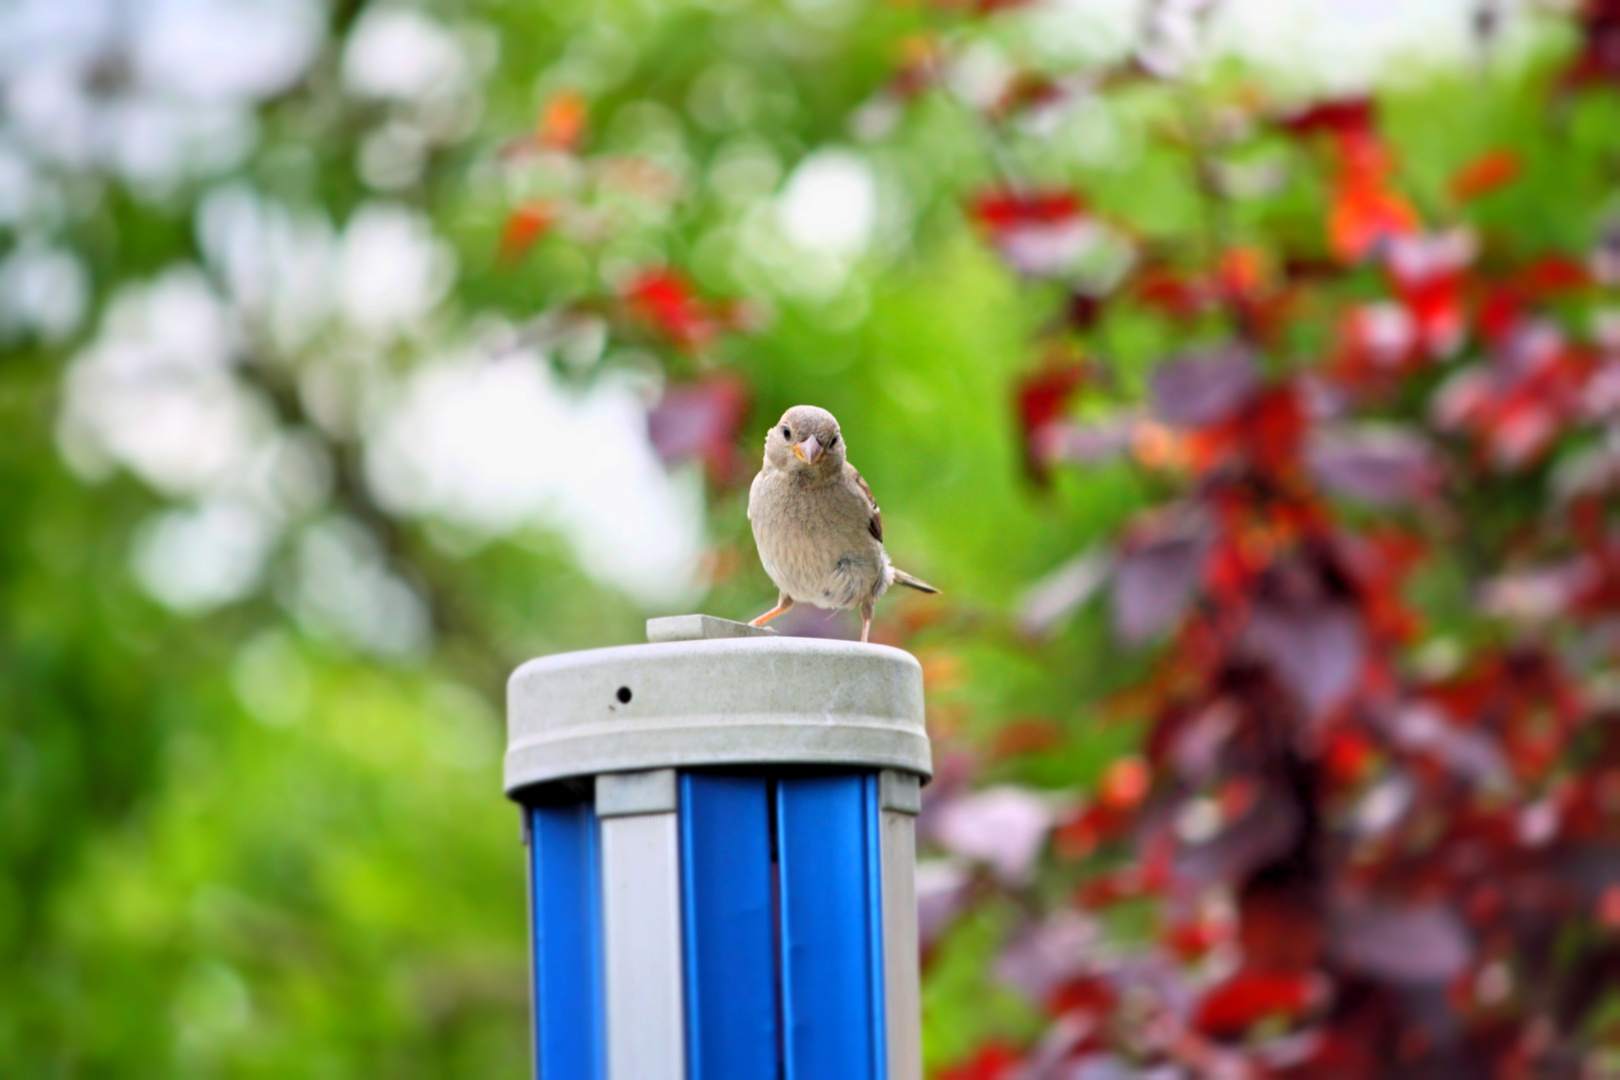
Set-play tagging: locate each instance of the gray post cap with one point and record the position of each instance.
(710, 691)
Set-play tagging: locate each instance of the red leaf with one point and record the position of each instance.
(996, 1061)
(1105, 890)
(1488, 172)
(1267, 437)
(1426, 274)
(1163, 289)
(1044, 395)
(1364, 216)
(1231, 1008)
(1366, 212)
(1378, 346)
(1084, 310)
(1038, 233)
(1043, 399)
(1085, 994)
(1348, 757)
(1192, 941)
(998, 210)
(664, 301)
(1125, 784)
(562, 122)
(1522, 400)
(980, 7)
(1599, 58)
(523, 227)
(1280, 927)
(1348, 116)
(1081, 834)
(1552, 276)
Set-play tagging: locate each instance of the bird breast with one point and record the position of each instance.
(814, 543)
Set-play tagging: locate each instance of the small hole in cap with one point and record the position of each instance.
(623, 695)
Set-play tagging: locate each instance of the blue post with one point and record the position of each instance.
(731, 970)
(567, 962)
(721, 858)
(832, 927)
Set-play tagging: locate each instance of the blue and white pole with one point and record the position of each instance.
(720, 829)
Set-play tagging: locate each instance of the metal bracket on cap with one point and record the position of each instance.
(701, 628)
(900, 792)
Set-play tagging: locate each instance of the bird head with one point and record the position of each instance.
(805, 438)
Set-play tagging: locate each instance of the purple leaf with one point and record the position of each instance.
(698, 419)
(1053, 1057)
(1316, 648)
(1048, 248)
(1154, 584)
(1204, 388)
(1383, 806)
(1468, 752)
(1196, 749)
(1085, 444)
(1108, 1066)
(1418, 943)
(1002, 827)
(1380, 466)
(1263, 834)
(942, 889)
(1043, 956)
(1534, 595)
(1606, 254)
(1057, 595)
(1419, 258)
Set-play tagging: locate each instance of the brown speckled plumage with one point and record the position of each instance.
(816, 524)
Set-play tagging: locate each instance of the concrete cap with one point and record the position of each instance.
(714, 692)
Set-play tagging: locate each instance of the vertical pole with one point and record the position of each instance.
(641, 923)
(832, 993)
(731, 1031)
(900, 800)
(567, 972)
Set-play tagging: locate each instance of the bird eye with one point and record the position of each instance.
(786, 434)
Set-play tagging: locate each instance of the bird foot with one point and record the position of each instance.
(771, 614)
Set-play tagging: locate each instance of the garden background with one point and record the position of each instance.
(1247, 374)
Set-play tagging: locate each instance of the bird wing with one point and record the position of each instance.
(874, 526)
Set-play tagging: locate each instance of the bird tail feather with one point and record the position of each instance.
(903, 578)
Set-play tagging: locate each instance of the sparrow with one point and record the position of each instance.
(816, 524)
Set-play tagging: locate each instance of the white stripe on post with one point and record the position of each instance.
(641, 925)
(899, 799)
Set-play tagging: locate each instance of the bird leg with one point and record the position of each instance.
(783, 602)
(866, 620)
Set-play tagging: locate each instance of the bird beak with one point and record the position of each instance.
(808, 451)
